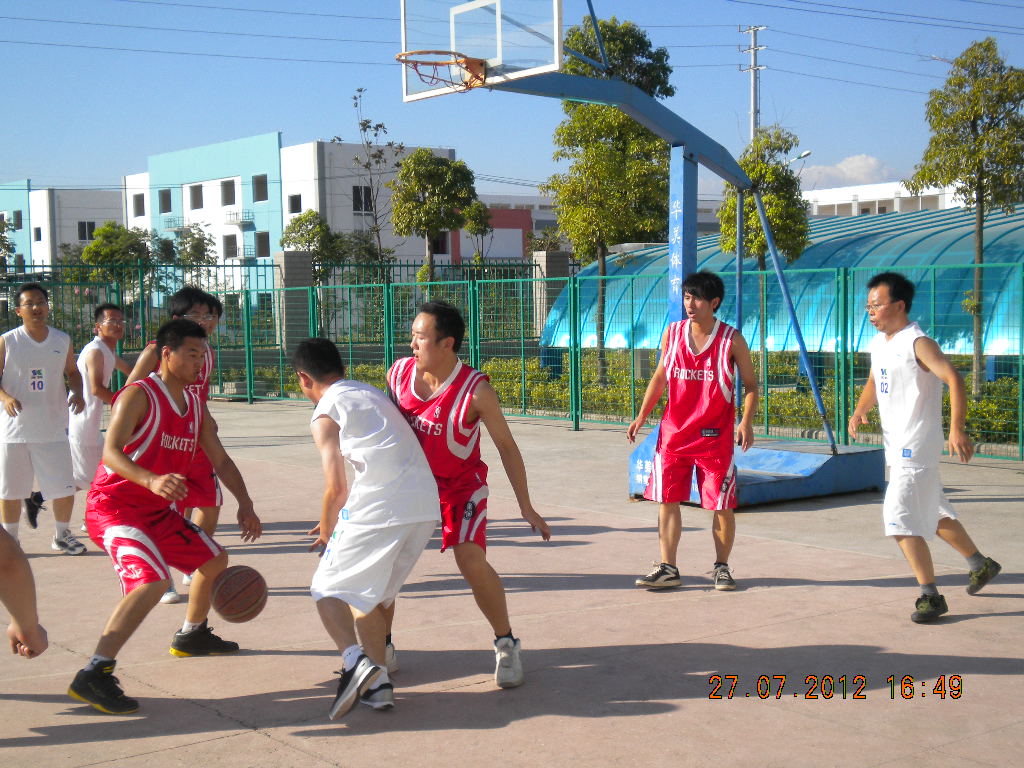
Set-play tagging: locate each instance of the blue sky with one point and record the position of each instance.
(81, 109)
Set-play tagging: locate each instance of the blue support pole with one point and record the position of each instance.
(776, 263)
(682, 226)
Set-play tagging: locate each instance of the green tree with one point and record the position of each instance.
(6, 244)
(429, 196)
(765, 161)
(976, 146)
(118, 254)
(478, 227)
(379, 159)
(309, 233)
(616, 188)
(549, 239)
(193, 247)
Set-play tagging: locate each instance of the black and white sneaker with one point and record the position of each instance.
(200, 642)
(352, 685)
(662, 577)
(100, 689)
(33, 504)
(724, 581)
(381, 698)
(390, 658)
(68, 544)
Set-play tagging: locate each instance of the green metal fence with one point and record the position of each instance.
(575, 381)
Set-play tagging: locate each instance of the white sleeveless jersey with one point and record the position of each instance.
(34, 375)
(393, 484)
(909, 400)
(85, 427)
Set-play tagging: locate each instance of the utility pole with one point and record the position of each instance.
(753, 69)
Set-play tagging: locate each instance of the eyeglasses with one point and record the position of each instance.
(34, 304)
(113, 322)
(202, 318)
(876, 307)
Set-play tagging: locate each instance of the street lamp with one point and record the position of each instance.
(801, 156)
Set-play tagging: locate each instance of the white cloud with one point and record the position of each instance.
(850, 171)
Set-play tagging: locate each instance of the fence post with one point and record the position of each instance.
(1020, 364)
(474, 325)
(389, 326)
(522, 342)
(313, 311)
(763, 288)
(247, 341)
(842, 388)
(575, 388)
(143, 303)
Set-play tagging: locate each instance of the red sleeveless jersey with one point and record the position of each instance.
(701, 412)
(164, 442)
(451, 444)
(201, 386)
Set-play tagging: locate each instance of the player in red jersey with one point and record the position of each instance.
(445, 401)
(698, 427)
(204, 493)
(156, 427)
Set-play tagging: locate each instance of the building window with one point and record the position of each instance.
(259, 188)
(85, 230)
(138, 205)
(294, 203)
(230, 247)
(195, 196)
(227, 192)
(362, 202)
(37, 234)
(262, 245)
(16, 219)
(164, 198)
(440, 243)
(881, 209)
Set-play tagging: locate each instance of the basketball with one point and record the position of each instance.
(239, 593)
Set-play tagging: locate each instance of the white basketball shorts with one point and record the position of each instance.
(914, 502)
(49, 463)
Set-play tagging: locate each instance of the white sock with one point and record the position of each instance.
(351, 655)
(12, 529)
(190, 626)
(61, 529)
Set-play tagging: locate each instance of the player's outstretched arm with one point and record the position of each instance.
(741, 356)
(10, 404)
(18, 594)
(228, 474)
(867, 400)
(488, 409)
(326, 435)
(655, 388)
(128, 412)
(932, 358)
(148, 362)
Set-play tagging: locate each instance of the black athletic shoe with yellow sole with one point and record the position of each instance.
(979, 578)
(200, 642)
(101, 690)
(928, 608)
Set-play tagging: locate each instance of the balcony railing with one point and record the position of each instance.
(243, 218)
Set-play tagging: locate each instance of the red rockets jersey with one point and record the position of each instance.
(166, 441)
(701, 412)
(201, 386)
(452, 445)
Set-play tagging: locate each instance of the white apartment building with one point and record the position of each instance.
(870, 199)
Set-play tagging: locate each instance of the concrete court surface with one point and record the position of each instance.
(615, 675)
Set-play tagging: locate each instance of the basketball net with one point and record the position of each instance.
(450, 68)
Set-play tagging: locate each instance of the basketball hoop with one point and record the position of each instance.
(451, 68)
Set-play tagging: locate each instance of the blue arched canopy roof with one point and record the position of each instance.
(904, 242)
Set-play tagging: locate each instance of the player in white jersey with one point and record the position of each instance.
(371, 533)
(34, 361)
(907, 373)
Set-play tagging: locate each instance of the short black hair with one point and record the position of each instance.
(705, 285)
(173, 333)
(98, 312)
(31, 287)
(448, 321)
(182, 301)
(900, 288)
(319, 358)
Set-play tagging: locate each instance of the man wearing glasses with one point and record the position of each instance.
(907, 373)
(34, 402)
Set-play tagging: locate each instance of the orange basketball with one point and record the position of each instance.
(239, 593)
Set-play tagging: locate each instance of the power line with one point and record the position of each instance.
(778, 31)
(196, 53)
(196, 31)
(895, 13)
(854, 63)
(851, 82)
(990, 2)
(260, 10)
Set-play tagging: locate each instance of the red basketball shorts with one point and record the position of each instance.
(672, 477)
(203, 485)
(145, 545)
(464, 513)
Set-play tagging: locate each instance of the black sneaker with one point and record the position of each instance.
(929, 608)
(724, 582)
(100, 689)
(979, 578)
(200, 642)
(352, 685)
(33, 504)
(662, 577)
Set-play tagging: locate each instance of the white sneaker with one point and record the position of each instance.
(352, 685)
(508, 670)
(390, 658)
(84, 528)
(170, 596)
(186, 579)
(68, 544)
(381, 698)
